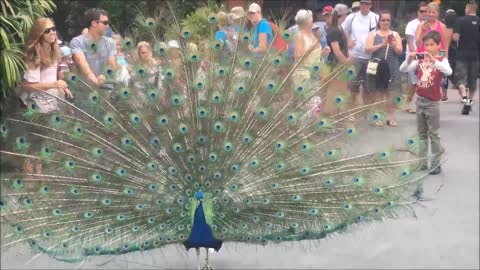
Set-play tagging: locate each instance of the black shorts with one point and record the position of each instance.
(466, 73)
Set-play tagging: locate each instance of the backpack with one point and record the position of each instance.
(279, 43)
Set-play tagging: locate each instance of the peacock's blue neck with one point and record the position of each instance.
(201, 234)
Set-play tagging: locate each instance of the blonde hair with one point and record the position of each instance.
(435, 6)
(117, 38)
(36, 53)
(223, 19)
(144, 44)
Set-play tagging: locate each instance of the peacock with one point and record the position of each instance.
(230, 147)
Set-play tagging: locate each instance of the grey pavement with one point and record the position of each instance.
(444, 233)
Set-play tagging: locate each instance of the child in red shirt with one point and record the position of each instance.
(430, 69)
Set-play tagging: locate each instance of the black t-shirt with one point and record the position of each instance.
(335, 34)
(469, 29)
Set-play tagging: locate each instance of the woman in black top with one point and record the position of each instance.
(337, 41)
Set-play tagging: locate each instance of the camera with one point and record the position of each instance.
(419, 56)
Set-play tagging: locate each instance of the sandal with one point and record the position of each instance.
(392, 123)
(379, 123)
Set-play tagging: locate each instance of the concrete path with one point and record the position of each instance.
(445, 233)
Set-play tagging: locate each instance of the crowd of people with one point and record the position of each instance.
(437, 53)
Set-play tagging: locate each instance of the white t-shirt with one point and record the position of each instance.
(411, 29)
(359, 27)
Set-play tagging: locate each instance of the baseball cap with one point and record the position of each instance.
(366, 1)
(237, 13)
(254, 8)
(355, 4)
(341, 9)
(327, 10)
(450, 11)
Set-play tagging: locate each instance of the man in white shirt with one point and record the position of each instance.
(358, 26)
(412, 47)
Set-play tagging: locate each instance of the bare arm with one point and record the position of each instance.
(419, 35)
(299, 44)
(398, 46)
(446, 37)
(262, 43)
(410, 42)
(318, 34)
(79, 59)
(39, 86)
(369, 47)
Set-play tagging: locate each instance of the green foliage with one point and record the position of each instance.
(122, 16)
(156, 23)
(15, 21)
(197, 22)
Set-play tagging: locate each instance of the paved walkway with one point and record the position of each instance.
(445, 233)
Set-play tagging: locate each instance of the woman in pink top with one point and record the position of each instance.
(430, 23)
(41, 84)
(42, 55)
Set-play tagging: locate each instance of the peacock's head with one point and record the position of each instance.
(199, 195)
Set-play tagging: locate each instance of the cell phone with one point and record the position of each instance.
(419, 56)
(391, 38)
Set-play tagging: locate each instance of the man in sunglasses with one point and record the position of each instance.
(93, 51)
(412, 47)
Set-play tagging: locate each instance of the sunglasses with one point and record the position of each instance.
(51, 29)
(422, 11)
(385, 20)
(104, 22)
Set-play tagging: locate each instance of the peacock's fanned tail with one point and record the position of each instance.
(118, 170)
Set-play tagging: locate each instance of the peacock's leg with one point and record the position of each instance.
(207, 266)
(198, 257)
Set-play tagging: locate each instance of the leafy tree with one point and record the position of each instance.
(15, 22)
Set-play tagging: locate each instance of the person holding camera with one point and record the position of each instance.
(430, 23)
(411, 46)
(384, 45)
(431, 67)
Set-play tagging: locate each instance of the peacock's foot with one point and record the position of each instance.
(207, 267)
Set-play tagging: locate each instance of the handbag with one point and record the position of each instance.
(372, 66)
